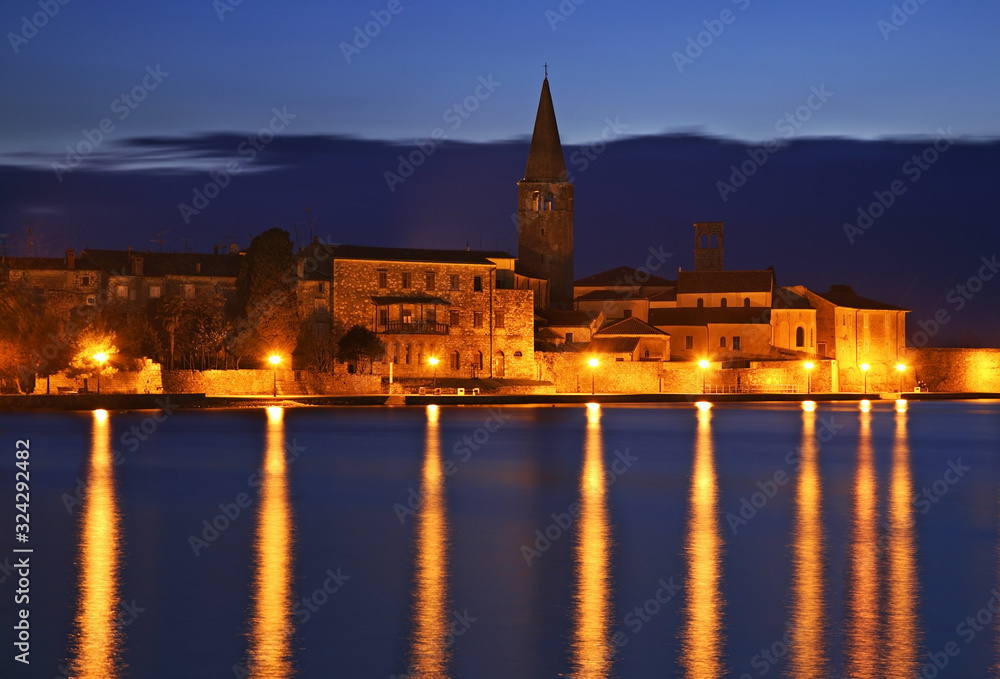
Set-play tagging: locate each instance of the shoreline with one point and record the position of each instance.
(87, 402)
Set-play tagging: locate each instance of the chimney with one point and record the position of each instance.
(70, 259)
(197, 267)
(302, 268)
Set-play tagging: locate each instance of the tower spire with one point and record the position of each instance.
(545, 157)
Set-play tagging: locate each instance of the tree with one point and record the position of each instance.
(202, 329)
(318, 344)
(360, 347)
(265, 290)
(169, 315)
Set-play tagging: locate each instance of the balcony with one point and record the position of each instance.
(414, 328)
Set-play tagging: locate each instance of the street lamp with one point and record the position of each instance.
(100, 357)
(864, 369)
(703, 364)
(809, 367)
(593, 371)
(275, 360)
(901, 368)
(434, 362)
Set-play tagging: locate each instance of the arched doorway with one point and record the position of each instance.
(498, 364)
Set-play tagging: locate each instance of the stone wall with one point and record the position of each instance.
(147, 380)
(570, 373)
(959, 370)
(261, 382)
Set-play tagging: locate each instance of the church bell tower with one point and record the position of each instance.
(545, 208)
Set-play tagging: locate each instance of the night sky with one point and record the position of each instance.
(156, 96)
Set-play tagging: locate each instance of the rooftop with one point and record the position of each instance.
(622, 275)
(690, 282)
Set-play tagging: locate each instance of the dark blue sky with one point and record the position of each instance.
(156, 96)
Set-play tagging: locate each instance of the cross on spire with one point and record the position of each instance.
(546, 70)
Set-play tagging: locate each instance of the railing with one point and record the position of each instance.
(415, 328)
(751, 389)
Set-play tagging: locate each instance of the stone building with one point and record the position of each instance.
(630, 340)
(63, 284)
(458, 306)
(545, 208)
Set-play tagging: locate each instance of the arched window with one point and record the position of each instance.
(715, 241)
(646, 354)
(746, 302)
(724, 303)
(722, 342)
(800, 337)
(701, 302)
(479, 360)
(704, 241)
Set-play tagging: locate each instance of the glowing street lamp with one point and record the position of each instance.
(101, 357)
(593, 371)
(864, 369)
(809, 367)
(275, 360)
(703, 364)
(434, 362)
(901, 368)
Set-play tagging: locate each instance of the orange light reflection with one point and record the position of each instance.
(902, 641)
(863, 644)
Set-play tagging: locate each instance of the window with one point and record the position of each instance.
(689, 342)
(479, 360)
(154, 291)
(477, 319)
(724, 303)
(456, 361)
(405, 283)
(722, 342)
(736, 343)
(85, 281)
(477, 283)
(499, 319)
(383, 317)
(569, 337)
(518, 354)
(121, 291)
(189, 290)
(701, 302)
(746, 302)
(383, 279)
(322, 288)
(628, 313)
(429, 280)
(800, 337)
(395, 353)
(406, 315)
(91, 300)
(320, 305)
(454, 281)
(431, 315)
(453, 318)
(408, 350)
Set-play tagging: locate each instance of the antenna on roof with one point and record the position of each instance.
(160, 239)
(187, 244)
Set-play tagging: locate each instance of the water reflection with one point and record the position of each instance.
(863, 647)
(430, 644)
(98, 638)
(271, 623)
(902, 635)
(808, 652)
(592, 653)
(702, 633)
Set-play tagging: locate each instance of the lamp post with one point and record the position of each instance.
(434, 362)
(593, 371)
(864, 370)
(703, 364)
(809, 367)
(275, 360)
(100, 357)
(901, 368)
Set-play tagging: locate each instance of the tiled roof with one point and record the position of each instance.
(41, 263)
(163, 263)
(618, 276)
(410, 254)
(709, 315)
(690, 282)
(598, 295)
(612, 345)
(632, 327)
(558, 317)
(669, 296)
(409, 299)
(844, 295)
(785, 298)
